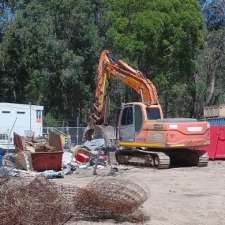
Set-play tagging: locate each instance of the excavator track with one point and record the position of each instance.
(188, 157)
(203, 160)
(159, 160)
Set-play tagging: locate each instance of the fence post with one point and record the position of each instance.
(77, 130)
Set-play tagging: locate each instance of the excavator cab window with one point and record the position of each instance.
(127, 126)
(153, 113)
(138, 118)
(127, 116)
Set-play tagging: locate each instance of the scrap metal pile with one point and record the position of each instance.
(88, 151)
(53, 143)
(110, 199)
(48, 156)
(34, 203)
(40, 201)
(38, 154)
(91, 154)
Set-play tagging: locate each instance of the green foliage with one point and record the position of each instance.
(49, 51)
(161, 38)
(48, 55)
(51, 121)
(210, 69)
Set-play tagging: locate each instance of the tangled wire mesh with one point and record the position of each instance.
(41, 202)
(110, 199)
(36, 203)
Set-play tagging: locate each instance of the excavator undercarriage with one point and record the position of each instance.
(162, 159)
(145, 158)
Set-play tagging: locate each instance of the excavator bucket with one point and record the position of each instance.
(108, 133)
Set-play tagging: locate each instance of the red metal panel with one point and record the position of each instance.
(81, 157)
(220, 148)
(42, 161)
(216, 148)
(19, 142)
(180, 134)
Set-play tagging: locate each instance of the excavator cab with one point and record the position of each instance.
(132, 117)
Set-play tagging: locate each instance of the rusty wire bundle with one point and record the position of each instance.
(36, 203)
(110, 199)
(41, 202)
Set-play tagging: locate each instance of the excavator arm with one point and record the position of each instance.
(109, 67)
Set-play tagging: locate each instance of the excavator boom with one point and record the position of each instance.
(110, 67)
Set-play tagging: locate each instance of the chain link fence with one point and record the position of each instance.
(75, 134)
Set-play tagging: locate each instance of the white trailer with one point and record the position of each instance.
(23, 119)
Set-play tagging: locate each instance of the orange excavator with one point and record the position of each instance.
(143, 136)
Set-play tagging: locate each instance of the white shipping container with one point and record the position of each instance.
(20, 118)
(214, 111)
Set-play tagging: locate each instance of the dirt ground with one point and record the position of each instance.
(177, 196)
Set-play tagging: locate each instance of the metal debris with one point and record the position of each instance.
(36, 203)
(110, 199)
(41, 202)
